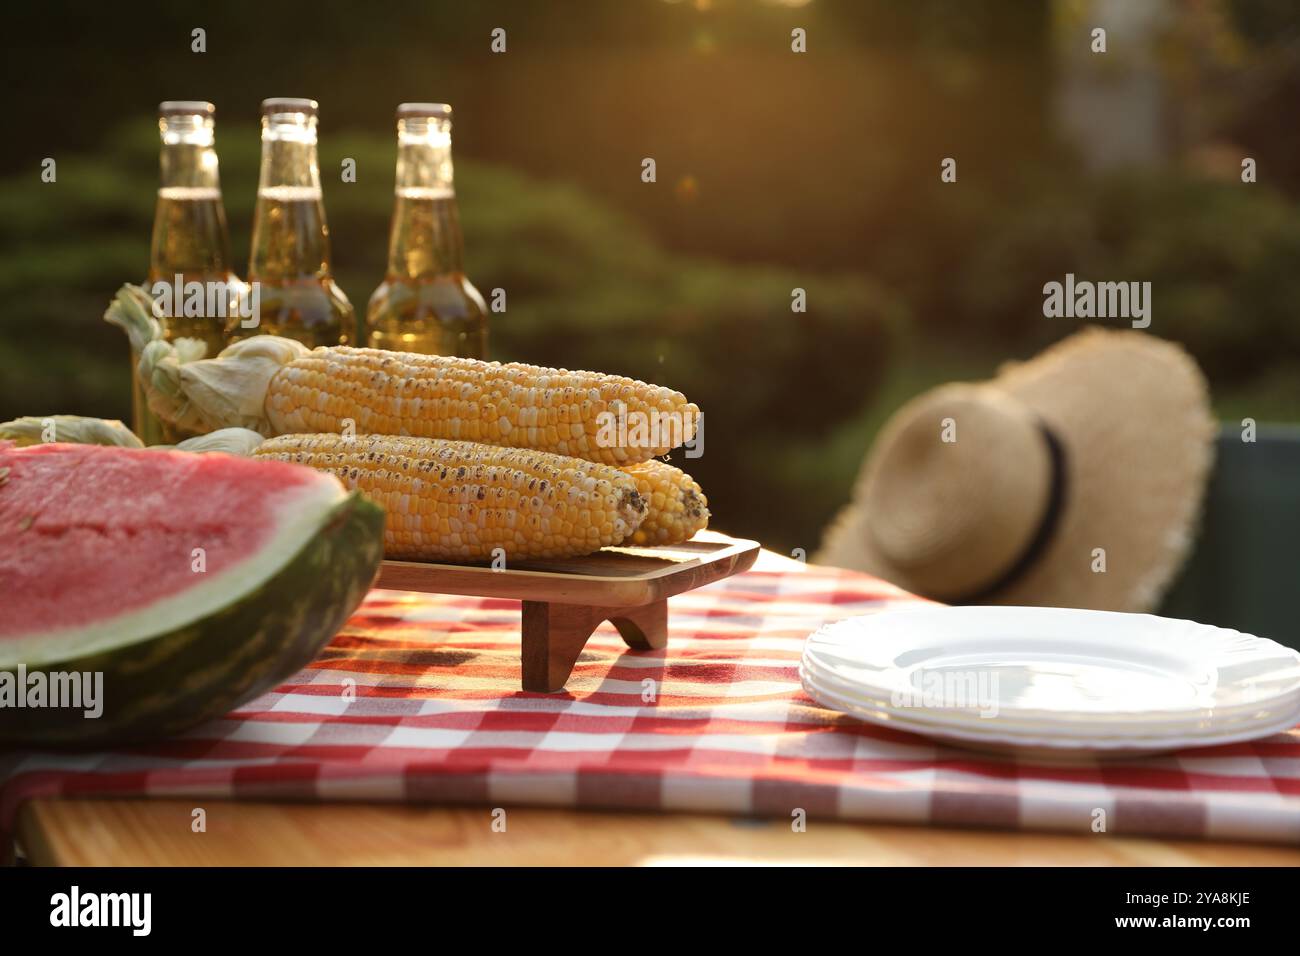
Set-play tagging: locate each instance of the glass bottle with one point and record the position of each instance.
(425, 303)
(290, 258)
(190, 242)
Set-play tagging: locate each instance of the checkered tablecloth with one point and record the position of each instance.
(418, 700)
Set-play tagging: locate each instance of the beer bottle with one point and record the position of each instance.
(425, 303)
(290, 259)
(190, 242)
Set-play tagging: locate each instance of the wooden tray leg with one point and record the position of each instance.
(555, 634)
(644, 628)
(553, 637)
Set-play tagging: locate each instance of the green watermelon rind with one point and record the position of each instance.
(168, 684)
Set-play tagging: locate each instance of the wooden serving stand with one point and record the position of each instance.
(565, 600)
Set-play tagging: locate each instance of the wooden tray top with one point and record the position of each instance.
(612, 577)
(565, 600)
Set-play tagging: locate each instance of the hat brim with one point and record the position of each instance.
(1132, 413)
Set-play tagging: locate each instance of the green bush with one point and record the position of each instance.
(1220, 256)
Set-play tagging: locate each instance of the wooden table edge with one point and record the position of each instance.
(76, 831)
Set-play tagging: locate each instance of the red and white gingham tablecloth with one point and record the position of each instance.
(418, 700)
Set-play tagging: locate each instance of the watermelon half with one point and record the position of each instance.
(191, 583)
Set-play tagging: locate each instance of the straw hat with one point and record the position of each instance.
(1074, 479)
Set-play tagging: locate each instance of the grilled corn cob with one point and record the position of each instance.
(458, 501)
(277, 386)
(676, 506)
(434, 396)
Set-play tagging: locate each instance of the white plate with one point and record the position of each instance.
(1054, 680)
(1084, 726)
(1042, 663)
(994, 736)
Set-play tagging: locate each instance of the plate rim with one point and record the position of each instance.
(1054, 743)
(1065, 723)
(1278, 652)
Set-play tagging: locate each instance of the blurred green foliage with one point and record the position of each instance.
(1220, 257)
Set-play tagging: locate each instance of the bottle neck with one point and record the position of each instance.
(425, 241)
(290, 235)
(189, 234)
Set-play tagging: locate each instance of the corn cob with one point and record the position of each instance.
(458, 501)
(676, 506)
(277, 386)
(522, 406)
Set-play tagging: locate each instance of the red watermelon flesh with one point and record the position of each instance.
(97, 544)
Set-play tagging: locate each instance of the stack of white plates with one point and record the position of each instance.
(1054, 680)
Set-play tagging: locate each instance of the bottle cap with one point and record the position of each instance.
(289, 104)
(185, 108)
(433, 110)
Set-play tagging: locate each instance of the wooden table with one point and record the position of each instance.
(158, 833)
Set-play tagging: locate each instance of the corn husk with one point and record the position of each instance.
(74, 429)
(196, 394)
(83, 430)
(230, 390)
(159, 361)
(231, 441)
(132, 311)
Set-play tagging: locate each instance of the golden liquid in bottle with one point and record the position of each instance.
(188, 224)
(189, 240)
(425, 303)
(290, 262)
